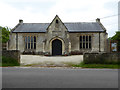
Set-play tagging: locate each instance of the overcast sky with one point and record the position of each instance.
(43, 11)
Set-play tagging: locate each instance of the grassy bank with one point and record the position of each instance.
(83, 65)
(8, 61)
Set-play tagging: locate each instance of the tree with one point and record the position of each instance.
(5, 34)
(117, 38)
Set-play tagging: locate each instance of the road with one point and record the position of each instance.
(29, 77)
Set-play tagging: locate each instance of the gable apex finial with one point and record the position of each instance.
(56, 15)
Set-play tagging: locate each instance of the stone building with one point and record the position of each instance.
(58, 38)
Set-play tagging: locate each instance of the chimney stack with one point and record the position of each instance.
(98, 20)
(20, 21)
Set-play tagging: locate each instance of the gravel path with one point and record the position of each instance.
(50, 60)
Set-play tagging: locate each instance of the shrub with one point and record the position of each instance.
(8, 61)
(29, 53)
(76, 53)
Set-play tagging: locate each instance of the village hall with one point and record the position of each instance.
(58, 37)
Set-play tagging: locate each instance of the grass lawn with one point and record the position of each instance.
(112, 66)
(7, 61)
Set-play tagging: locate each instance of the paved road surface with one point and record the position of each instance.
(59, 78)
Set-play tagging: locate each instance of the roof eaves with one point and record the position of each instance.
(28, 32)
(83, 31)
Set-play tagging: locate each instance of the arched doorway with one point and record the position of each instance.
(56, 47)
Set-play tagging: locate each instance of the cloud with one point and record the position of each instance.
(39, 11)
(9, 15)
(27, 1)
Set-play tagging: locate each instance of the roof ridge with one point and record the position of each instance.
(63, 22)
(36, 23)
(80, 22)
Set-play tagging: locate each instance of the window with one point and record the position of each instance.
(57, 25)
(89, 41)
(85, 42)
(25, 42)
(34, 42)
(30, 42)
(80, 42)
(57, 21)
(86, 45)
(86, 38)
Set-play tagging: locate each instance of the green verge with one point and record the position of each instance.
(112, 66)
(8, 61)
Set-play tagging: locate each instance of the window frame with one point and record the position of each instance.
(30, 42)
(85, 42)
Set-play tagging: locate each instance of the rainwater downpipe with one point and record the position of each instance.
(16, 41)
(99, 42)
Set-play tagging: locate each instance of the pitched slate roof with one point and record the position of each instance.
(84, 27)
(72, 27)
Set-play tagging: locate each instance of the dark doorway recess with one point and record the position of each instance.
(56, 47)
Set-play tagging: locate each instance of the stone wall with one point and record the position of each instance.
(12, 42)
(12, 53)
(101, 58)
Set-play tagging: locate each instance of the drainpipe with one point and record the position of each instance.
(99, 42)
(16, 41)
